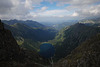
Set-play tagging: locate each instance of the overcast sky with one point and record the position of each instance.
(49, 10)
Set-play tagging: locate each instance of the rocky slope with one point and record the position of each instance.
(85, 55)
(11, 55)
(8, 45)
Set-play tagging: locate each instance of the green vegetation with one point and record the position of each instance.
(31, 45)
(85, 55)
(30, 38)
(29, 23)
(70, 37)
(67, 43)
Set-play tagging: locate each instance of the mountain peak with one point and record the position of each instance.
(79, 24)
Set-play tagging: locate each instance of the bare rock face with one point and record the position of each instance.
(8, 45)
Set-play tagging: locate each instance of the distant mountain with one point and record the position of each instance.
(34, 24)
(91, 22)
(29, 37)
(70, 37)
(85, 55)
(30, 23)
(63, 25)
(11, 55)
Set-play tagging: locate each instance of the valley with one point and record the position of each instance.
(66, 41)
(49, 33)
(30, 37)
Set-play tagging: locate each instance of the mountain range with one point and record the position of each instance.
(76, 45)
(30, 23)
(30, 37)
(63, 25)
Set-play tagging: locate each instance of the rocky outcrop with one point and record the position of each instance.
(8, 45)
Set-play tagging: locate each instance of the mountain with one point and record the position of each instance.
(91, 22)
(36, 34)
(8, 45)
(29, 37)
(85, 55)
(11, 55)
(34, 24)
(63, 25)
(30, 23)
(70, 37)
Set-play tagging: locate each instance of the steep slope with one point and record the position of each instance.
(32, 33)
(85, 55)
(70, 37)
(34, 24)
(11, 55)
(8, 45)
(29, 37)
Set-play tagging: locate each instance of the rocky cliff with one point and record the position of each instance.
(8, 45)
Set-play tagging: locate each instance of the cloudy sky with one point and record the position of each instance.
(49, 10)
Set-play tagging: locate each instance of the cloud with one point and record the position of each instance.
(75, 14)
(32, 3)
(25, 9)
(17, 9)
(51, 16)
(50, 13)
(13, 9)
(93, 11)
(5, 6)
(44, 8)
(28, 4)
(73, 2)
